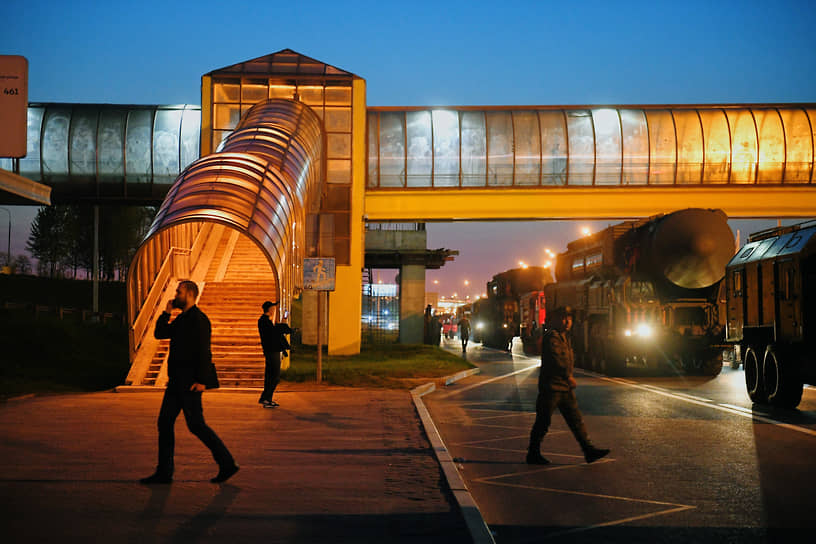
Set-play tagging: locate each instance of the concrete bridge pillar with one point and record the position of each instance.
(412, 301)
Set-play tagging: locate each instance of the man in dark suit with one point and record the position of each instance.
(190, 372)
(273, 342)
(556, 389)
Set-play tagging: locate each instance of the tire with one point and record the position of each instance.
(712, 366)
(754, 383)
(782, 383)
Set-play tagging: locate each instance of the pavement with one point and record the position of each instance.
(330, 464)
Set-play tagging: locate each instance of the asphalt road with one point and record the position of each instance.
(692, 460)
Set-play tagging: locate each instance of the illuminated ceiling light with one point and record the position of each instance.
(585, 231)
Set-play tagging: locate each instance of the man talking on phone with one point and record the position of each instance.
(273, 342)
(190, 372)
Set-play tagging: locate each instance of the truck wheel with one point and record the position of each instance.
(782, 382)
(753, 377)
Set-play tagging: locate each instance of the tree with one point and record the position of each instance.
(46, 242)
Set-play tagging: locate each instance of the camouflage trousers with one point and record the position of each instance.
(565, 401)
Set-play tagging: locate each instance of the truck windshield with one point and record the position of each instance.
(689, 316)
(641, 291)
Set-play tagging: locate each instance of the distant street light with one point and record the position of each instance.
(8, 262)
(585, 231)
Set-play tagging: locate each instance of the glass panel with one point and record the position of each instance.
(339, 145)
(277, 90)
(83, 142)
(689, 146)
(635, 147)
(473, 149)
(743, 146)
(6, 164)
(554, 148)
(717, 146)
(139, 125)
(771, 146)
(527, 137)
(226, 92)
(392, 149)
(798, 144)
(373, 152)
(338, 171)
(55, 144)
(338, 120)
(499, 148)
(812, 115)
(418, 129)
(581, 147)
(30, 164)
(338, 96)
(446, 148)
(111, 145)
(662, 147)
(607, 146)
(166, 148)
(311, 95)
(226, 116)
(254, 90)
(190, 136)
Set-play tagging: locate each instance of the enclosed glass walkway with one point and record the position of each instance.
(588, 146)
(134, 153)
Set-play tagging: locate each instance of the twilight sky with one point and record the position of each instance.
(429, 53)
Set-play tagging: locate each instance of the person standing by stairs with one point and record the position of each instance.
(273, 342)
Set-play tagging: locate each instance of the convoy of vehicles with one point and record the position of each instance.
(670, 292)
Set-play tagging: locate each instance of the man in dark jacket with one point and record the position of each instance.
(273, 342)
(190, 372)
(556, 388)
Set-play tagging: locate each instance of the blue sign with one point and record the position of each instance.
(318, 274)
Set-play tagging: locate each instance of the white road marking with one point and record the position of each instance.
(485, 382)
(728, 408)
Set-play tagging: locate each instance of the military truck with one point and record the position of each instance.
(644, 292)
(771, 312)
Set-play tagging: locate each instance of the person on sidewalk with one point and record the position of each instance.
(556, 388)
(273, 342)
(464, 332)
(190, 372)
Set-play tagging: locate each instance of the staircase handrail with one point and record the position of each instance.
(140, 324)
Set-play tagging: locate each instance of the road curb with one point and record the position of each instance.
(476, 525)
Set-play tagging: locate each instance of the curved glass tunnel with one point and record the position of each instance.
(256, 192)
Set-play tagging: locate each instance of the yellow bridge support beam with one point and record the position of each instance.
(738, 201)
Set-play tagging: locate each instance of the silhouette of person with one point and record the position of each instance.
(273, 342)
(464, 331)
(190, 372)
(556, 389)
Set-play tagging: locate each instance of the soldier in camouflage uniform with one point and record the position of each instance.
(556, 388)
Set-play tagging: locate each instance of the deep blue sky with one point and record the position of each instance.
(429, 53)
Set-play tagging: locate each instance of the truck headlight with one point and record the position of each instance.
(644, 331)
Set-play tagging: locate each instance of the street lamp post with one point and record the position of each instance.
(8, 261)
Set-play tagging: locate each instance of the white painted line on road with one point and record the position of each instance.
(728, 408)
(491, 380)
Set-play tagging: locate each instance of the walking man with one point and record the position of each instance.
(190, 372)
(273, 342)
(464, 331)
(556, 388)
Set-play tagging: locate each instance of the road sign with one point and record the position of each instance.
(318, 274)
(13, 105)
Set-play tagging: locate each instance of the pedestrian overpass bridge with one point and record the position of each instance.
(225, 165)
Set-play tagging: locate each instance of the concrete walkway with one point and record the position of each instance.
(329, 465)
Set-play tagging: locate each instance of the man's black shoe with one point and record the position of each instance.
(156, 478)
(593, 454)
(224, 474)
(534, 458)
